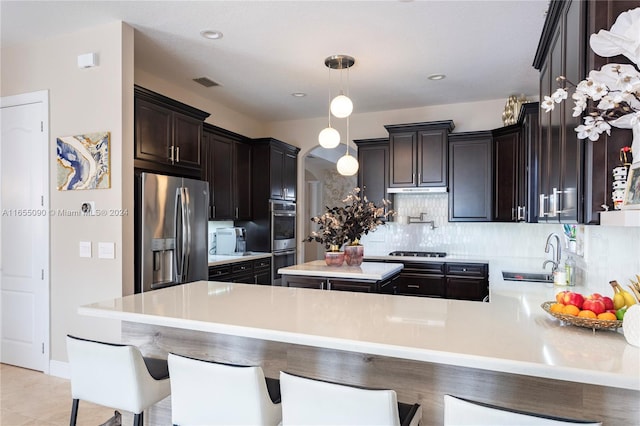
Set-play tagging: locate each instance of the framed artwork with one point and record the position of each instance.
(632, 193)
(84, 161)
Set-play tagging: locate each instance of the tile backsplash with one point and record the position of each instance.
(607, 252)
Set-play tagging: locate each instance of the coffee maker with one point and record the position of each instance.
(231, 241)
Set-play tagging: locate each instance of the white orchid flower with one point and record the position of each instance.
(592, 128)
(622, 39)
(606, 103)
(548, 104)
(559, 95)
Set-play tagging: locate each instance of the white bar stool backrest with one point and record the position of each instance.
(210, 393)
(314, 402)
(112, 375)
(463, 412)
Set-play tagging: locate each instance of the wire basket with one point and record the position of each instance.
(582, 322)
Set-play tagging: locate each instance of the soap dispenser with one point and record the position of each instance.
(570, 270)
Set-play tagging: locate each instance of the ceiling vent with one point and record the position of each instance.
(205, 82)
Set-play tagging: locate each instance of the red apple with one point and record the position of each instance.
(576, 299)
(595, 305)
(608, 303)
(560, 296)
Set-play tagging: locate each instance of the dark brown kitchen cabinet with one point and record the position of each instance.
(574, 175)
(167, 136)
(385, 286)
(418, 154)
(275, 170)
(227, 168)
(245, 272)
(470, 177)
(422, 279)
(506, 143)
(373, 173)
(515, 160)
(467, 281)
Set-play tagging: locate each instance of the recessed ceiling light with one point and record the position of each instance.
(211, 34)
(298, 94)
(436, 77)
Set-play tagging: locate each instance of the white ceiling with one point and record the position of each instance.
(271, 49)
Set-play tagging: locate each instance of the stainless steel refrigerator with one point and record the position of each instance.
(173, 231)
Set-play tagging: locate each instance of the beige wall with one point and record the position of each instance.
(84, 101)
(220, 115)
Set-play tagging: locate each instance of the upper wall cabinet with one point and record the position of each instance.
(167, 134)
(275, 169)
(470, 177)
(574, 175)
(418, 155)
(514, 160)
(373, 173)
(226, 166)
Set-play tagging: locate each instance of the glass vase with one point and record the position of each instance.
(353, 255)
(334, 258)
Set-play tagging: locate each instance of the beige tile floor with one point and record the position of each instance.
(29, 397)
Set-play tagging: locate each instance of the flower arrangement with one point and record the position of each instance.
(614, 89)
(348, 223)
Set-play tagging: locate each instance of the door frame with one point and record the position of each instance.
(43, 160)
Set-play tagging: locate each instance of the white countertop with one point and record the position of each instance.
(510, 334)
(370, 271)
(221, 259)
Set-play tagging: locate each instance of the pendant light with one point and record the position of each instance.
(341, 106)
(329, 137)
(347, 164)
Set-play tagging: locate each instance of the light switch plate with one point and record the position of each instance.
(106, 250)
(85, 248)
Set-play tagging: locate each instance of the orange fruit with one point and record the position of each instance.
(587, 314)
(556, 307)
(607, 316)
(570, 310)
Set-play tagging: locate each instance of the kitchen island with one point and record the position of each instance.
(509, 351)
(370, 277)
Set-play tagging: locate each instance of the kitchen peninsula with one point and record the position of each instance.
(509, 351)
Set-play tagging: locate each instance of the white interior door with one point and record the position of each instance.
(24, 231)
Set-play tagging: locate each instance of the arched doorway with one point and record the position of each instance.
(323, 186)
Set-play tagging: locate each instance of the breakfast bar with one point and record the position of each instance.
(507, 352)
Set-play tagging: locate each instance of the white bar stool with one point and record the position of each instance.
(308, 401)
(211, 393)
(116, 376)
(464, 412)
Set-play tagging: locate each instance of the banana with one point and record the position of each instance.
(629, 299)
(618, 298)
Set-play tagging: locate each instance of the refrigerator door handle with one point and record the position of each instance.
(181, 235)
(186, 224)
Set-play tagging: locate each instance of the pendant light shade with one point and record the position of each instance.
(347, 165)
(329, 138)
(341, 106)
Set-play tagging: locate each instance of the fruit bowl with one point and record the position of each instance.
(582, 322)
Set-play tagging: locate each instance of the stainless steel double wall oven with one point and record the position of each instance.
(283, 235)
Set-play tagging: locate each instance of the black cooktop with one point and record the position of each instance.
(418, 253)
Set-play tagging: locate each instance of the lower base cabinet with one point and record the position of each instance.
(324, 283)
(448, 280)
(247, 272)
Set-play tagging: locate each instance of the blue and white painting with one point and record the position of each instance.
(83, 161)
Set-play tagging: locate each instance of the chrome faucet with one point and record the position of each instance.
(557, 252)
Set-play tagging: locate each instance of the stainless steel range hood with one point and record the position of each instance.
(418, 190)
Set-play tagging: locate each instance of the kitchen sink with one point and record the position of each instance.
(542, 277)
